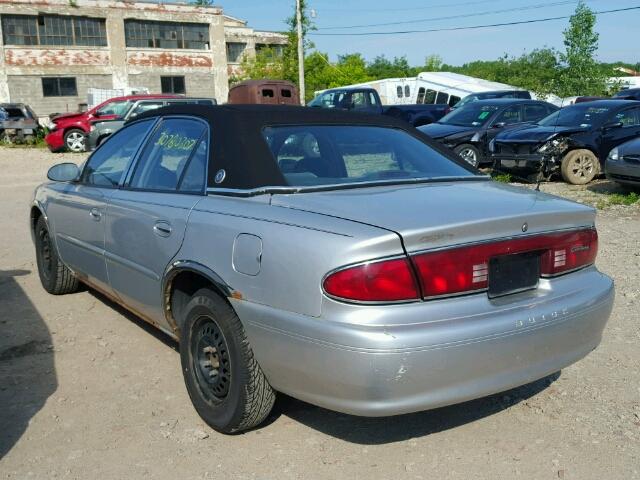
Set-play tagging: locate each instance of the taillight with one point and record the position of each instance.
(382, 281)
(458, 270)
(465, 269)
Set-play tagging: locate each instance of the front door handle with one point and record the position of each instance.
(162, 229)
(95, 214)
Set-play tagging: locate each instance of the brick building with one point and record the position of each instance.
(52, 51)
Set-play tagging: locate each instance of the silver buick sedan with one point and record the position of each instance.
(343, 259)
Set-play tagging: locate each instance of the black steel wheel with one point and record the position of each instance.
(55, 277)
(224, 381)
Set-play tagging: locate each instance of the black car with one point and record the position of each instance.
(469, 130)
(623, 164)
(573, 141)
(628, 94)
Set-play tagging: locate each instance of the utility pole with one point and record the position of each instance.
(300, 52)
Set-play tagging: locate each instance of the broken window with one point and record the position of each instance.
(54, 30)
(235, 51)
(59, 87)
(148, 34)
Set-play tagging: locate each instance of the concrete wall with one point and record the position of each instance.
(28, 89)
(116, 66)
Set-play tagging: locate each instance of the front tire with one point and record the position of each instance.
(579, 167)
(75, 141)
(55, 277)
(226, 385)
(469, 154)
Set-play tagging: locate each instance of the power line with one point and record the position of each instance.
(451, 17)
(472, 27)
(411, 9)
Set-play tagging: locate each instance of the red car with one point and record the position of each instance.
(67, 131)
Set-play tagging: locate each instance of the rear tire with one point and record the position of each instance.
(579, 167)
(226, 385)
(55, 277)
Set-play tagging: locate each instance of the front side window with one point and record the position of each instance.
(327, 155)
(167, 154)
(173, 85)
(119, 108)
(629, 117)
(509, 116)
(59, 87)
(107, 165)
(170, 35)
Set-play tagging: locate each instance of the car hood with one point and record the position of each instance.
(68, 116)
(432, 215)
(535, 133)
(442, 130)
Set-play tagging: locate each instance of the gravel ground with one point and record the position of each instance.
(89, 391)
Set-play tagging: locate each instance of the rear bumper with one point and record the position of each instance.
(429, 354)
(623, 172)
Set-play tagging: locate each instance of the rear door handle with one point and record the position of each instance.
(162, 229)
(95, 214)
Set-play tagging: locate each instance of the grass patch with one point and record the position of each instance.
(619, 199)
(502, 177)
(36, 142)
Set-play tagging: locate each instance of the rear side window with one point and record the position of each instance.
(407, 91)
(421, 93)
(442, 98)
(326, 155)
(195, 174)
(509, 116)
(145, 107)
(399, 91)
(167, 154)
(533, 113)
(430, 97)
(453, 100)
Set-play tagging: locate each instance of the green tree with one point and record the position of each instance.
(580, 73)
(203, 3)
(266, 64)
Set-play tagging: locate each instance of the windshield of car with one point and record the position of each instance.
(313, 155)
(473, 115)
(576, 116)
(115, 108)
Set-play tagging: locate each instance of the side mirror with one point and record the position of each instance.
(612, 125)
(64, 172)
(499, 125)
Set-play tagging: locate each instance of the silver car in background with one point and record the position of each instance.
(343, 259)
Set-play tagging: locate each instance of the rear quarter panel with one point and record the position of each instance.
(298, 249)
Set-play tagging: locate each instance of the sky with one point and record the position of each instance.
(618, 31)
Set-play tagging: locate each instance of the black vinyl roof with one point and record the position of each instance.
(238, 145)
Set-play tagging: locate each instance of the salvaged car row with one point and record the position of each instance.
(505, 130)
(346, 260)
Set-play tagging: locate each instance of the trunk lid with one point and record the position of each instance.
(434, 215)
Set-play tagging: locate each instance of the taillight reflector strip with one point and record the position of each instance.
(465, 269)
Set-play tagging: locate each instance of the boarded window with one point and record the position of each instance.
(59, 87)
(148, 34)
(54, 30)
(173, 85)
(235, 51)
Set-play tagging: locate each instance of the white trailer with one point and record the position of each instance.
(430, 88)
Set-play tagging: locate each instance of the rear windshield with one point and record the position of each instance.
(326, 155)
(473, 115)
(576, 116)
